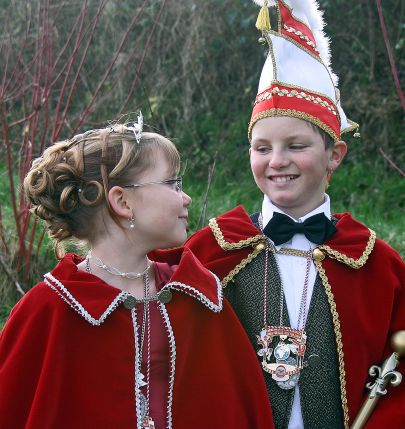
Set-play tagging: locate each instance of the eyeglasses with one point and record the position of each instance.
(178, 182)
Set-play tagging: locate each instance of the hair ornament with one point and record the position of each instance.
(137, 127)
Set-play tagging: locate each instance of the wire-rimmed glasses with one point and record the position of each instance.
(178, 181)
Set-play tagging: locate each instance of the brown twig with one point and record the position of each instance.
(145, 51)
(211, 169)
(390, 54)
(123, 40)
(10, 276)
(392, 163)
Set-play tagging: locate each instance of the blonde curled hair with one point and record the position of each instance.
(68, 185)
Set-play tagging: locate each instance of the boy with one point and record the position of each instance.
(318, 294)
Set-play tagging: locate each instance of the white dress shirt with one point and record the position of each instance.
(292, 271)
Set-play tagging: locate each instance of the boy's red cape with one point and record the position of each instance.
(366, 281)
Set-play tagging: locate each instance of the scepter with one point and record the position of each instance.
(385, 375)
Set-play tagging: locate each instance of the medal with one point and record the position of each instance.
(282, 348)
(282, 352)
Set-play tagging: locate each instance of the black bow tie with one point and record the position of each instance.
(317, 228)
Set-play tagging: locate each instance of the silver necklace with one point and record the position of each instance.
(146, 421)
(283, 347)
(114, 271)
(164, 295)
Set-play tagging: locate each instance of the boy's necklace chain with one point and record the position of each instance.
(292, 341)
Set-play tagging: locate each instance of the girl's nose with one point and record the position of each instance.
(186, 199)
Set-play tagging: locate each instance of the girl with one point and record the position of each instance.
(114, 339)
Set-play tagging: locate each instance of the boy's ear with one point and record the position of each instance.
(338, 153)
(119, 202)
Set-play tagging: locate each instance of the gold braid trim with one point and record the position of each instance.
(268, 94)
(226, 245)
(242, 265)
(257, 241)
(301, 36)
(339, 343)
(353, 263)
(298, 88)
(294, 42)
(352, 126)
(292, 113)
(292, 13)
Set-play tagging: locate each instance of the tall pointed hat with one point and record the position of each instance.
(297, 79)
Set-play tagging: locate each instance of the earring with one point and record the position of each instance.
(132, 222)
(329, 172)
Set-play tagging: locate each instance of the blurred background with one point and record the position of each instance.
(193, 68)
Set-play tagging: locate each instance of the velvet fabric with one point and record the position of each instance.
(370, 301)
(57, 370)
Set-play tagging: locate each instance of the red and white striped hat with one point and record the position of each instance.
(297, 79)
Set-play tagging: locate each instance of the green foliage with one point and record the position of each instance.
(197, 86)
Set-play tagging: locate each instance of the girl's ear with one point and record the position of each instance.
(119, 202)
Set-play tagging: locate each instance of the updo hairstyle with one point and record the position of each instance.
(68, 185)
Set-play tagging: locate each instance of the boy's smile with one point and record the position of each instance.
(282, 179)
(289, 162)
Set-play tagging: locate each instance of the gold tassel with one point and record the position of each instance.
(263, 19)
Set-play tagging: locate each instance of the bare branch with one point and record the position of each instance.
(390, 54)
(392, 163)
(10, 276)
(203, 214)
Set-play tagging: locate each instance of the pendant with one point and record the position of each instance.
(143, 402)
(147, 423)
(285, 360)
(143, 405)
(141, 381)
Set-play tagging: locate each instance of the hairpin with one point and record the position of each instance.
(137, 127)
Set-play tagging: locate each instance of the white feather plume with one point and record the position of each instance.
(308, 12)
(261, 2)
(314, 17)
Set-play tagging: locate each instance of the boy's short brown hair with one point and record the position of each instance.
(327, 139)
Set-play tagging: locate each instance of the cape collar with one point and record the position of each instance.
(351, 244)
(95, 300)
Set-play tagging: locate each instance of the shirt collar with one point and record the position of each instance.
(268, 208)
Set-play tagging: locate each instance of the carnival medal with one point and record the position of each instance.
(284, 359)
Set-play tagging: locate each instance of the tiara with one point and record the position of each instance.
(137, 127)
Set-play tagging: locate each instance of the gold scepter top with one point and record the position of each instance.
(385, 375)
(398, 343)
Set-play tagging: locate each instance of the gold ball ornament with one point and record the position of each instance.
(318, 255)
(398, 343)
(259, 247)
